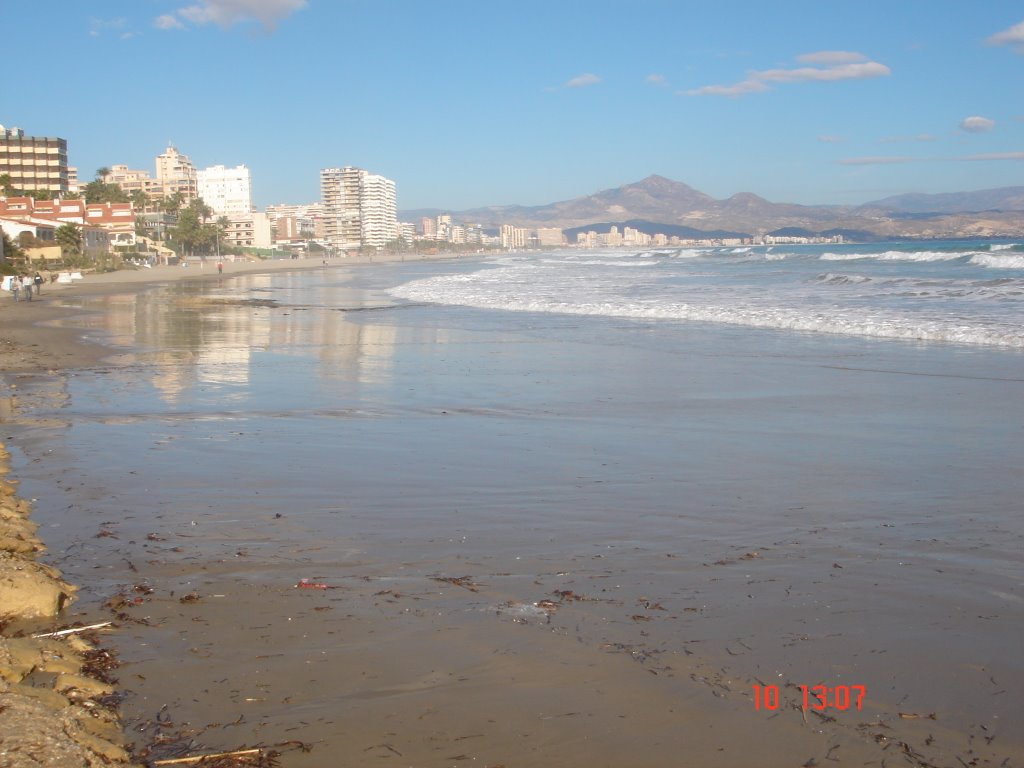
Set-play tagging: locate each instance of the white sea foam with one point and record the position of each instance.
(998, 261)
(906, 299)
(831, 277)
(895, 256)
(1003, 246)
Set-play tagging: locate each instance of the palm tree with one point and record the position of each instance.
(102, 173)
(69, 238)
(172, 203)
(139, 199)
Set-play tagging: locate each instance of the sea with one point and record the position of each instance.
(964, 292)
(553, 508)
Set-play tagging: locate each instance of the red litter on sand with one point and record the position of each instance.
(310, 584)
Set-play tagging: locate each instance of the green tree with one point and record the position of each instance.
(5, 185)
(192, 233)
(11, 251)
(101, 192)
(69, 238)
(139, 199)
(172, 203)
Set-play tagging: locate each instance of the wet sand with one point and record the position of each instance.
(522, 553)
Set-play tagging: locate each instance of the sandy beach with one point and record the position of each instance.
(358, 531)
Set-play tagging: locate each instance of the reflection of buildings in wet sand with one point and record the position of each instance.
(187, 335)
(184, 338)
(347, 350)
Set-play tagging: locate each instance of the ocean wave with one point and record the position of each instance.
(896, 256)
(600, 263)
(839, 279)
(997, 261)
(812, 319)
(1004, 246)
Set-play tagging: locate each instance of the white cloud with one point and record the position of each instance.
(656, 80)
(747, 86)
(1013, 37)
(977, 124)
(227, 13)
(837, 65)
(167, 21)
(831, 139)
(831, 57)
(995, 156)
(582, 81)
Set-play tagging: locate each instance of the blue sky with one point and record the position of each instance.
(469, 103)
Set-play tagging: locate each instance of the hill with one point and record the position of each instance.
(668, 203)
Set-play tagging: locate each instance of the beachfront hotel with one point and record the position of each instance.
(34, 163)
(359, 208)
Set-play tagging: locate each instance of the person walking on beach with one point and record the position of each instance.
(16, 287)
(38, 280)
(26, 284)
(220, 267)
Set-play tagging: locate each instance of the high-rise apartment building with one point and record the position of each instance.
(34, 162)
(175, 173)
(129, 180)
(228, 191)
(359, 208)
(378, 211)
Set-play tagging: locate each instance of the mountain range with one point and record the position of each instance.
(658, 200)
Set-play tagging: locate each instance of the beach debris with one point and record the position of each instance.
(310, 584)
(567, 595)
(465, 582)
(915, 716)
(650, 605)
(99, 663)
(75, 630)
(388, 747)
(256, 757)
(191, 597)
(121, 600)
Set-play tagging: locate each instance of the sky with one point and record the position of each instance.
(471, 103)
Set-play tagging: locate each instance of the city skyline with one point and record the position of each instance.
(796, 102)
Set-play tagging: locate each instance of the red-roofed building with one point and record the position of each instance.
(116, 219)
